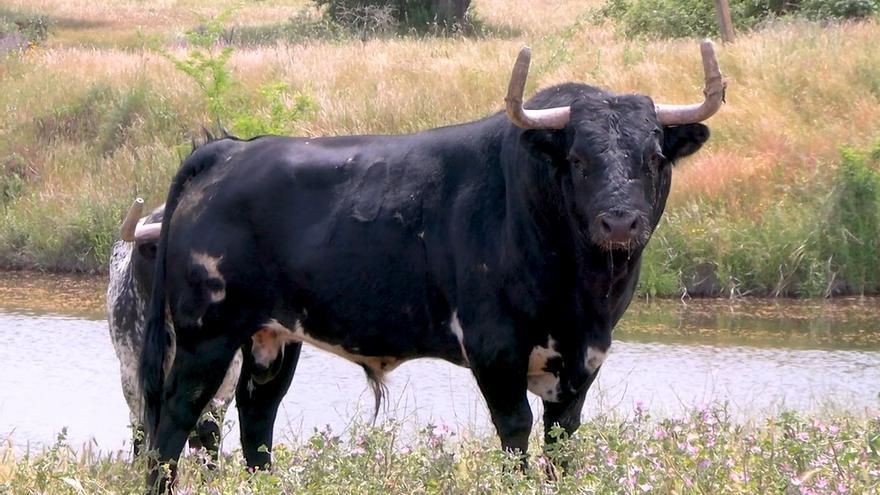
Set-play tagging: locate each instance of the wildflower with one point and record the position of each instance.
(645, 487)
(841, 488)
(659, 434)
(803, 436)
(703, 464)
(358, 451)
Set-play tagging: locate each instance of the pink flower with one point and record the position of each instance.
(645, 487)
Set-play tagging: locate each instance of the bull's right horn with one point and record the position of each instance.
(546, 118)
(127, 230)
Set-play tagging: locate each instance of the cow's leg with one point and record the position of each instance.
(208, 432)
(501, 376)
(258, 405)
(194, 378)
(565, 414)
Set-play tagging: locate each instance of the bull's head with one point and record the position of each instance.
(612, 154)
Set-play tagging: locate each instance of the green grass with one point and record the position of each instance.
(703, 451)
(819, 237)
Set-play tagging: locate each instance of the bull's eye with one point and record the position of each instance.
(574, 160)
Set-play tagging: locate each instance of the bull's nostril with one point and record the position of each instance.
(634, 226)
(606, 227)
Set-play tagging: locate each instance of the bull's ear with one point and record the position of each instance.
(683, 140)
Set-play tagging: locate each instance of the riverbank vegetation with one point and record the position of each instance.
(783, 201)
(703, 451)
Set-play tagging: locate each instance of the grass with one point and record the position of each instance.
(96, 116)
(703, 451)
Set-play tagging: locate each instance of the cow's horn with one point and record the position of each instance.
(127, 229)
(713, 91)
(548, 118)
(147, 232)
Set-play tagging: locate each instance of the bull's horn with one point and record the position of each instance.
(548, 118)
(147, 232)
(713, 91)
(127, 229)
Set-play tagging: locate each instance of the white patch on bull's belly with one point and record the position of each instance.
(455, 328)
(541, 382)
(267, 351)
(595, 358)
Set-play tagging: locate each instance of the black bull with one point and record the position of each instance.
(513, 251)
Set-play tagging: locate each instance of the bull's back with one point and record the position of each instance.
(345, 236)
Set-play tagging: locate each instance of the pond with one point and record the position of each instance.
(58, 369)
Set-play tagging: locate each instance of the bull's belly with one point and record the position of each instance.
(378, 351)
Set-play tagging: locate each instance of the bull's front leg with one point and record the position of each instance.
(500, 369)
(565, 414)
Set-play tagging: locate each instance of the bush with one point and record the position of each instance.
(420, 15)
(852, 240)
(28, 28)
(697, 18)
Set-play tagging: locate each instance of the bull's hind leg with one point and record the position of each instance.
(208, 430)
(195, 376)
(258, 404)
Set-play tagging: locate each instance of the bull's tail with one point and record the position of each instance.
(156, 335)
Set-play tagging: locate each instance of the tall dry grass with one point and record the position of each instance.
(797, 92)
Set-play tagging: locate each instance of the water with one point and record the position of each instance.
(58, 369)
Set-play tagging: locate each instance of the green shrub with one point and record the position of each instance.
(839, 9)
(852, 241)
(275, 111)
(697, 18)
(32, 28)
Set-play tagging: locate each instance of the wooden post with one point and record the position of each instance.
(724, 21)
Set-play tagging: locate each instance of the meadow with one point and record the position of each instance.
(783, 201)
(703, 451)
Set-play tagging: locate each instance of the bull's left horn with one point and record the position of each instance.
(127, 229)
(715, 86)
(547, 118)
